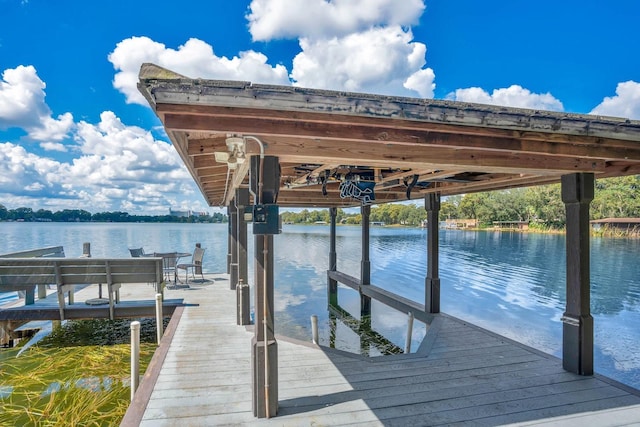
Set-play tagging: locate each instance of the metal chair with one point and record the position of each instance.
(195, 265)
(136, 252)
(169, 260)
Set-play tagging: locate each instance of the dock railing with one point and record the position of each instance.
(47, 252)
(25, 273)
(396, 301)
(363, 326)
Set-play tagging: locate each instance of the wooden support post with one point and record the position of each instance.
(233, 230)
(432, 281)
(243, 307)
(577, 329)
(332, 285)
(30, 296)
(365, 264)
(42, 291)
(86, 250)
(264, 182)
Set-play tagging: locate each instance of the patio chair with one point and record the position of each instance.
(169, 260)
(195, 265)
(136, 252)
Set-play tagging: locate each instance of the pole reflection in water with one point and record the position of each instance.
(362, 327)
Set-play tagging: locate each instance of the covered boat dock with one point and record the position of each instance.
(255, 148)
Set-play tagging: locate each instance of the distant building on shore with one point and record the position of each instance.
(627, 226)
(186, 214)
(459, 223)
(511, 225)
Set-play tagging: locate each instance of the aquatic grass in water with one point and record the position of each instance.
(76, 376)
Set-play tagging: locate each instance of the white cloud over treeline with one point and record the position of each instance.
(110, 166)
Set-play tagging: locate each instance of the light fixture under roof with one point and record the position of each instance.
(235, 153)
(236, 147)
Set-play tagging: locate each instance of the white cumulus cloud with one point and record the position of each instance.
(626, 102)
(117, 167)
(195, 59)
(379, 60)
(273, 19)
(22, 105)
(513, 96)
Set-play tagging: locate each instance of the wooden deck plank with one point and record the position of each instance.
(462, 375)
(536, 406)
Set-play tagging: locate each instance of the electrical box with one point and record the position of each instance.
(248, 214)
(266, 219)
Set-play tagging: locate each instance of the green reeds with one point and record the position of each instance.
(55, 383)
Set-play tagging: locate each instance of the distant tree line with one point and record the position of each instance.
(392, 213)
(541, 206)
(80, 215)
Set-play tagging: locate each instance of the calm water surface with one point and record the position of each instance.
(509, 283)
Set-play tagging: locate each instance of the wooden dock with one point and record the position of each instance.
(136, 301)
(461, 374)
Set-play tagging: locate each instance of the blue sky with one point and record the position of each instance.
(76, 134)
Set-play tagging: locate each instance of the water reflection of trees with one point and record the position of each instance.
(539, 262)
(533, 265)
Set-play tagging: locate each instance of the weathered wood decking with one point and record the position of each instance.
(136, 301)
(201, 376)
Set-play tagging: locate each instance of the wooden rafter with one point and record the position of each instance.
(454, 147)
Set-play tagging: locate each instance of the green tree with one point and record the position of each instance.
(448, 210)
(616, 198)
(44, 214)
(545, 205)
(25, 214)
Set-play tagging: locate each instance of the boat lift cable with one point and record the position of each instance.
(410, 185)
(260, 180)
(226, 187)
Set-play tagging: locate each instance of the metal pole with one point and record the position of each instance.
(233, 273)
(242, 296)
(159, 324)
(135, 357)
(407, 345)
(229, 240)
(314, 328)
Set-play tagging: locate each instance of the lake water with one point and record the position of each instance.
(510, 283)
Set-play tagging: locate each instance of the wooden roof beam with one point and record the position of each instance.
(394, 135)
(316, 172)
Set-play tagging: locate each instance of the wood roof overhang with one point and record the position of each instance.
(442, 146)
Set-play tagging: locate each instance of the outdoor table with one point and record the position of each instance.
(170, 260)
